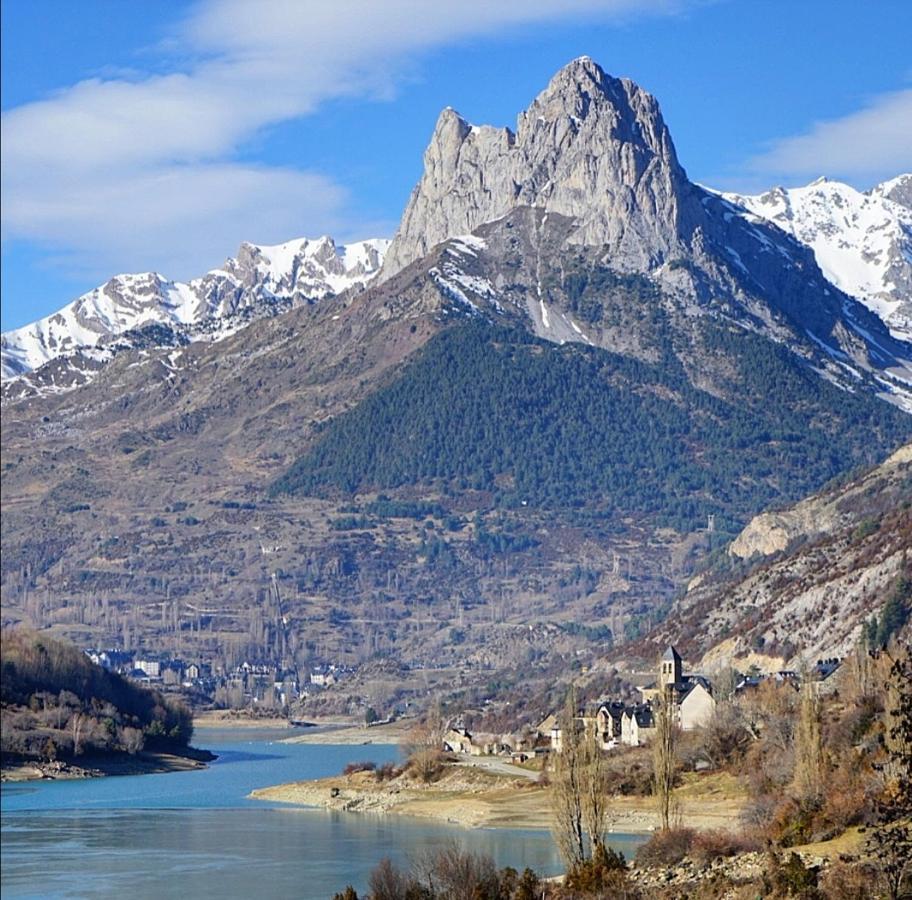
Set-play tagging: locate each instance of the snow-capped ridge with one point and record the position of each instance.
(261, 280)
(862, 241)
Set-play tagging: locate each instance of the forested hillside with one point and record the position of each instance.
(59, 704)
(483, 407)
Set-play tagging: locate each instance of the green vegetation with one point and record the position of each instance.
(58, 703)
(576, 428)
(895, 612)
(386, 508)
(597, 294)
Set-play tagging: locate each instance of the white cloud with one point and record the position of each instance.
(138, 171)
(869, 145)
(173, 219)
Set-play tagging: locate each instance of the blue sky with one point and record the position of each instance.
(157, 134)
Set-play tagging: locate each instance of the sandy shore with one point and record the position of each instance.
(222, 718)
(335, 732)
(476, 796)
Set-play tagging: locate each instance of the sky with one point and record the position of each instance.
(156, 135)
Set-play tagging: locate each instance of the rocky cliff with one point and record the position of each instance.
(590, 147)
(809, 576)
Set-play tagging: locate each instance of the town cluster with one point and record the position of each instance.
(614, 723)
(245, 685)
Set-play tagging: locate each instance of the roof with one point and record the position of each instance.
(613, 707)
(671, 654)
(825, 668)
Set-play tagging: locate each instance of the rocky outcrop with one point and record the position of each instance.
(590, 146)
(772, 532)
(834, 560)
(594, 152)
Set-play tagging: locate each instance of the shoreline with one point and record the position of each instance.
(225, 719)
(95, 766)
(476, 795)
(349, 733)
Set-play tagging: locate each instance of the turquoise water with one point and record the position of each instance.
(195, 834)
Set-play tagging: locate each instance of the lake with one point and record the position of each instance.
(196, 834)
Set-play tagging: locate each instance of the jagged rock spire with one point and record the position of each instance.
(591, 147)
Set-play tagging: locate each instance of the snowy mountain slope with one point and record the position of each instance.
(259, 281)
(862, 241)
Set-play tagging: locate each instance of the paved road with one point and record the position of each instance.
(500, 766)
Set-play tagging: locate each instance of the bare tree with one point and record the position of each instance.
(726, 736)
(77, 726)
(566, 786)
(594, 778)
(664, 753)
(858, 674)
(389, 883)
(808, 744)
(423, 745)
(132, 739)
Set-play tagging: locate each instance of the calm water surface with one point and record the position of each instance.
(195, 834)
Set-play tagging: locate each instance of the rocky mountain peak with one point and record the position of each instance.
(898, 189)
(862, 241)
(590, 147)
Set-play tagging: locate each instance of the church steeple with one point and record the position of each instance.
(670, 669)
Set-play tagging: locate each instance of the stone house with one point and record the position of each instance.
(457, 740)
(608, 721)
(637, 725)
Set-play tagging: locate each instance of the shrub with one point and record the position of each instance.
(387, 772)
(604, 875)
(426, 764)
(847, 881)
(709, 845)
(790, 878)
(363, 766)
(389, 883)
(665, 848)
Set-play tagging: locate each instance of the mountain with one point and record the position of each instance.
(817, 572)
(861, 241)
(260, 280)
(593, 159)
(572, 357)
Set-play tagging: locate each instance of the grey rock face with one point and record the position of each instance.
(899, 190)
(590, 146)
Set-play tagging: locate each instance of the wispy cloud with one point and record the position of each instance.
(869, 145)
(140, 170)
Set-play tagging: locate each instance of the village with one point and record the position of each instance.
(611, 722)
(615, 723)
(247, 685)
